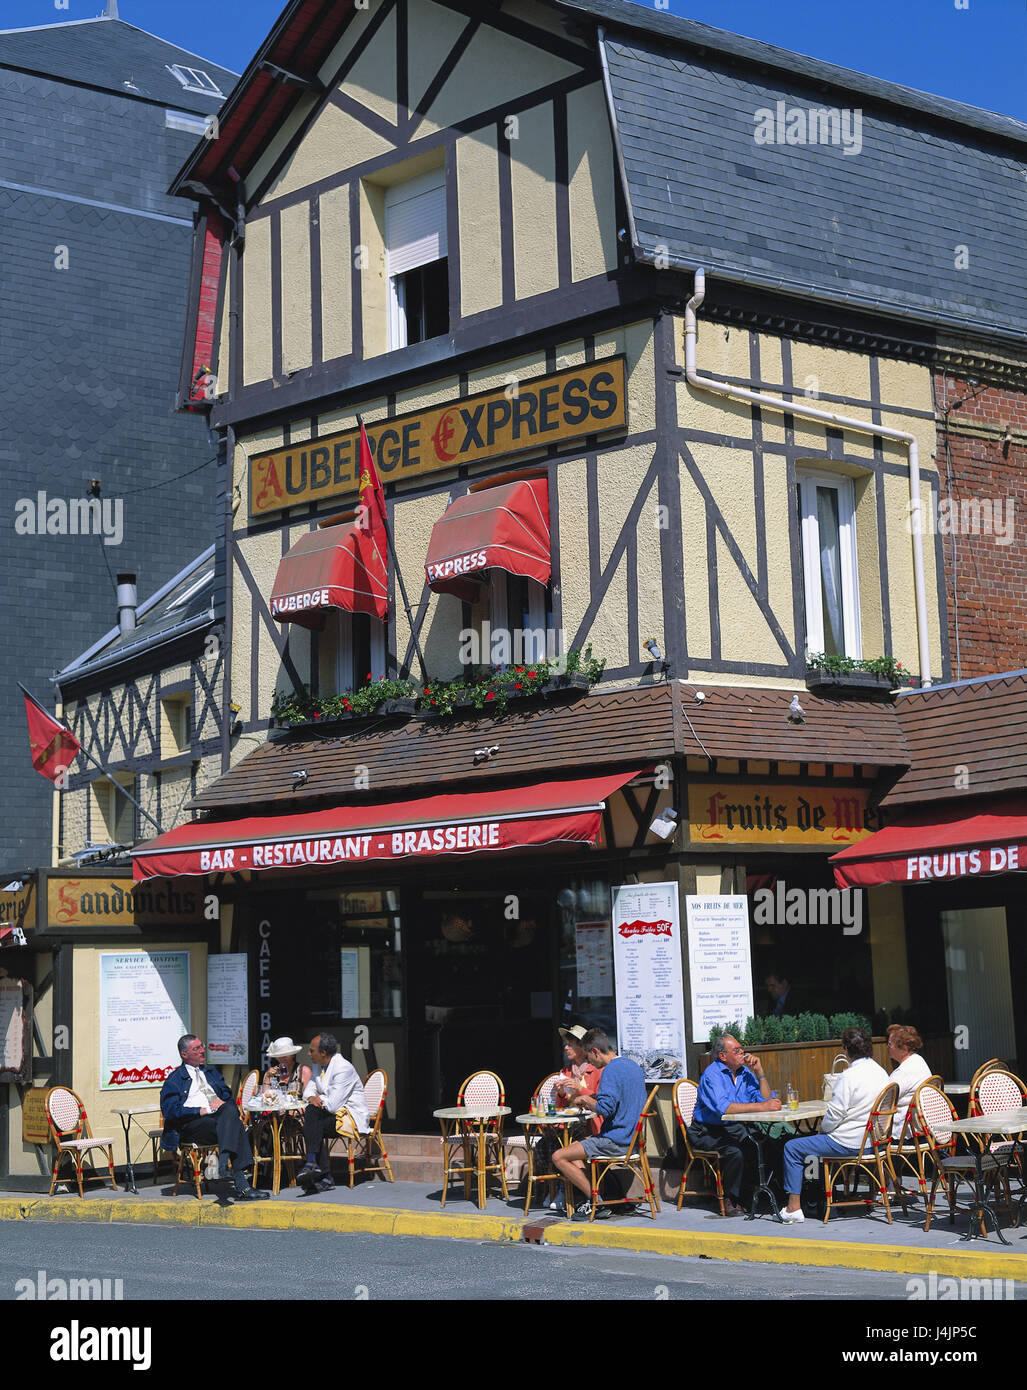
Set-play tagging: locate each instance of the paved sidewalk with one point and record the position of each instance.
(848, 1240)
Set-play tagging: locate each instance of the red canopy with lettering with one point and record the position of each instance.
(937, 844)
(454, 823)
(334, 567)
(504, 527)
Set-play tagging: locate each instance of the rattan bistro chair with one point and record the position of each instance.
(533, 1142)
(934, 1113)
(635, 1161)
(911, 1149)
(366, 1146)
(248, 1089)
(994, 1090)
(685, 1093)
(70, 1133)
(994, 1064)
(872, 1159)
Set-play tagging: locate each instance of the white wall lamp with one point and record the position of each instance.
(666, 823)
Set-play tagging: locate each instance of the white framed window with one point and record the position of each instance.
(355, 649)
(827, 529)
(416, 259)
(195, 80)
(519, 616)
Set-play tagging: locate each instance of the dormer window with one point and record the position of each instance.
(195, 80)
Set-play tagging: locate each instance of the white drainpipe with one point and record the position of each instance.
(807, 412)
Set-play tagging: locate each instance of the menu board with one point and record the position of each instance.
(593, 957)
(144, 1010)
(228, 1017)
(647, 971)
(719, 962)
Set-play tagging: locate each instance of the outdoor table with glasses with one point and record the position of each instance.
(274, 1109)
(1006, 1122)
(566, 1120)
(806, 1112)
(127, 1116)
(473, 1126)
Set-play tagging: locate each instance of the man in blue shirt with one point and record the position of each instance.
(620, 1100)
(732, 1084)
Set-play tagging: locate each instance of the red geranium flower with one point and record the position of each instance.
(517, 685)
(531, 675)
(490, 695)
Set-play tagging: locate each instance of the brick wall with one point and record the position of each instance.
(985, 580)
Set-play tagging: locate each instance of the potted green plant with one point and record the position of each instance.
(578, 670)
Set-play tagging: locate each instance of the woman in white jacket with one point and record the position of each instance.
(842, 1128)
(910, 1068)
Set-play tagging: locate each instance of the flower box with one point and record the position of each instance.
(402, 705)
(866, 681)
(570, 682)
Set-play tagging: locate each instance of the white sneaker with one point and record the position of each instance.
(790, 1216)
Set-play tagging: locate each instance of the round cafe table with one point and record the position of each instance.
(475, 1126)
(758, 1121)
(1010, 1123)
(272, 1117)
(564, 1120)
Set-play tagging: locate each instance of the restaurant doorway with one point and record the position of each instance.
(481, 976)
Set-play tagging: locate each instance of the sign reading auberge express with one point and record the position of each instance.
(526, 415)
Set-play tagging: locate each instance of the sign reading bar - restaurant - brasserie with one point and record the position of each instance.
(525, 415)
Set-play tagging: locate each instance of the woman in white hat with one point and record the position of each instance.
(283, 1070)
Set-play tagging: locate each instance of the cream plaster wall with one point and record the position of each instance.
(477, 174)
(372, 78)
(100, 1105)
(432, 30)
(224, 362)
(256, 267)
(591, 184)
(495, 68)
(297, 350)
(335, 140)
(533, 182)
(336, 279)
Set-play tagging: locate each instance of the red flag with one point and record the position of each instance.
(52, 746)
(372, 526)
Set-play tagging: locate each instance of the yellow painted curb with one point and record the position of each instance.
(758, 1249)
(966, 1262)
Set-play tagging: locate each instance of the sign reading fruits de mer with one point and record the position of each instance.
(510, 419)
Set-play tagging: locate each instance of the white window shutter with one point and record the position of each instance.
(415, 222)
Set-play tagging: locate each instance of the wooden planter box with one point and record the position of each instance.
(803, 1064)
(402, 704)
(573, 682)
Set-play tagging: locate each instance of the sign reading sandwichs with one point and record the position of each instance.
(511, 419)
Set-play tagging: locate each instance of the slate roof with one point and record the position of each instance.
(746, 722)
(876, 230)
(108, 54)
(185, 604)
(979, 725)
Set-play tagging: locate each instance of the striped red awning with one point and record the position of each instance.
(483, 822)
(504, 527)
(334, 567)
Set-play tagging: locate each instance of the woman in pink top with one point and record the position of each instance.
(578, 1077)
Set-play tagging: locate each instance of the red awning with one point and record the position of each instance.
(457, 823)
(938, 844)
(334, 567)
(505, 527)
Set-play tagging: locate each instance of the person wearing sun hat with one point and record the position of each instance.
(283, 1069)
(578, 1076)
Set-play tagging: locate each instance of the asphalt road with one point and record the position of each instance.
(171, 1263)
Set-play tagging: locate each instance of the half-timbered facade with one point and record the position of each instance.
(477, 228)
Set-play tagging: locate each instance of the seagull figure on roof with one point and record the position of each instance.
(796, 713)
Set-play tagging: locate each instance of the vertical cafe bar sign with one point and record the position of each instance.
(647, 976)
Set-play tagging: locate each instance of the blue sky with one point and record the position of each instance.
(974, 54)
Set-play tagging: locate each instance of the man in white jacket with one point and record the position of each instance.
(335, 1087)
(842, 1128)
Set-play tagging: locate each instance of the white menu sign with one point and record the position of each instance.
(647, 971)
(144, 1010)
(719, 962)
(594, 960)
(227, 1013)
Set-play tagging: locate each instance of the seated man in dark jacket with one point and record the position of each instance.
(198, 1108)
